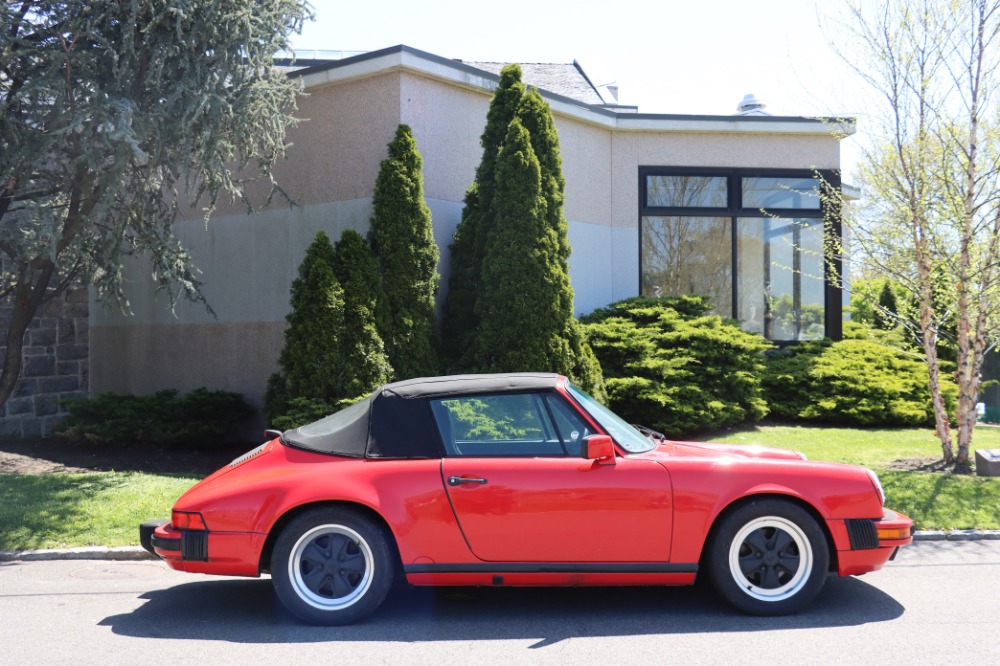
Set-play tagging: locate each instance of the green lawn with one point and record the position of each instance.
(933, 501)
(66, 510)
(69, 510)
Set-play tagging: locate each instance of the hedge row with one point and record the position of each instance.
(197, 418)
(671, 366)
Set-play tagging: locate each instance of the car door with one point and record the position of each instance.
(522, 492)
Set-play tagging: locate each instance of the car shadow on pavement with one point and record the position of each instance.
(246, 611)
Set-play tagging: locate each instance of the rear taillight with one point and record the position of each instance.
(186, 520)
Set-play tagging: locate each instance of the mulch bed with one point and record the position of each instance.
(931, 464)
(60, 455)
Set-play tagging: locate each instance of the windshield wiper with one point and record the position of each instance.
(650, 433)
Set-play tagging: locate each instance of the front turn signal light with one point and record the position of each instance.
(185, 520)
(893, 533)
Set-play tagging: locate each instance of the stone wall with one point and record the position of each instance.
(55, 365)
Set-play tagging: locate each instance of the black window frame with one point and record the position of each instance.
(828, 212)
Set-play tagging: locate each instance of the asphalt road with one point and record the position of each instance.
(938, 603)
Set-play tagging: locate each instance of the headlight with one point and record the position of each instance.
(878, 485)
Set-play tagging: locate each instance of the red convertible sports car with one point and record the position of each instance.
(521, 479)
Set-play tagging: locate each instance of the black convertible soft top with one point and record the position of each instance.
(396, 421)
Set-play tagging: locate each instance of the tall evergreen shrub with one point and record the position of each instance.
(402, 239)
(536, 116)
(365, 366)
(468, 248)
(510, 258)
(312, 363)
(522, 303)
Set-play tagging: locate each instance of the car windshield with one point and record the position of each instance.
(628, 437)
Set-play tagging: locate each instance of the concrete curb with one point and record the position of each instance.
(86, 553)
(124, 553)
(957, 535)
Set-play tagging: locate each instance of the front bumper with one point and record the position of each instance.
(199, 551)
(856, 555)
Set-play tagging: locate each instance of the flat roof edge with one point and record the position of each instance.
(452, 71)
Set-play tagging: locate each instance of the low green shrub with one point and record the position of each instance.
(670, 366)
(854, 382)
(196, 418)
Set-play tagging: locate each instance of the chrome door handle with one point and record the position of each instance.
(459, 480)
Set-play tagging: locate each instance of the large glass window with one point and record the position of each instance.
(799, 193)
(688, 255)
(687, 192)
(757, 250)
(780, 277)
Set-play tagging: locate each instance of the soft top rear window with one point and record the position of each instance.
(342, 433)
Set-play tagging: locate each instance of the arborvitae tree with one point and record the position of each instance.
(312, 362)
(536, 116)
(511, 251)
(402, 239)
(522, 302)
(468, 248)
(364, 363)
(885, 314)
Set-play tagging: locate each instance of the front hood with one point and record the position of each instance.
(712, 450)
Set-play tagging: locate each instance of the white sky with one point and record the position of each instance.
(668, 56)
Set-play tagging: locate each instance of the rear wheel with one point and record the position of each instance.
(332, 566)
(768, 557)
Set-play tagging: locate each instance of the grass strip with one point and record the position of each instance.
(72, 510)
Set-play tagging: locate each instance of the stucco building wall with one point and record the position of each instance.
(350, 115)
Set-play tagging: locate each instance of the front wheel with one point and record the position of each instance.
(332, 566)
(768, 557)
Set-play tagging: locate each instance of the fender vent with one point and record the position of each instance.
(248, 455)
(863, 533)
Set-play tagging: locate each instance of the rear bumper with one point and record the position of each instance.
(146, 532)
(197, 551)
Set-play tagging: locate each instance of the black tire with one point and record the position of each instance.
(332, 566)
(768, 557)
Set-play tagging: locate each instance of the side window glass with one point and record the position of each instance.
(570, 425)
(496, 425)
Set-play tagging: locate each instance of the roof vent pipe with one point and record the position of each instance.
(751, 106)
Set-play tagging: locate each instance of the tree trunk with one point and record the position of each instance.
(27, 297)
(942, 426)
(968, 382)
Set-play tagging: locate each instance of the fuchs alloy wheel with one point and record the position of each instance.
(332, 566)
(769, 557)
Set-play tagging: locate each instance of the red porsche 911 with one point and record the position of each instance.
(521, 479)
